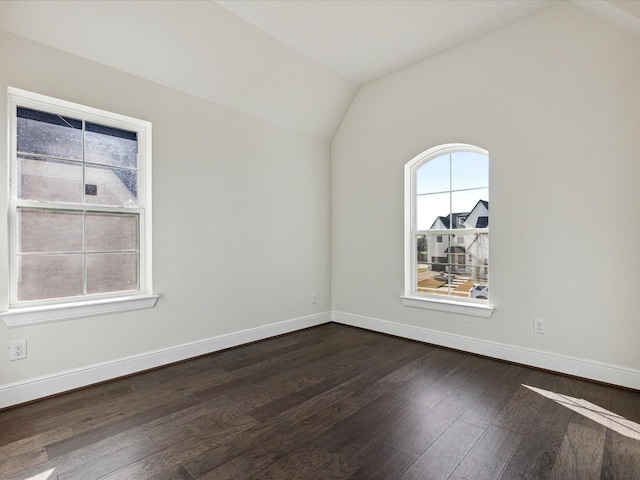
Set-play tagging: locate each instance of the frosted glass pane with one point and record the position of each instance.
(45, 231)
(111, 186)
(111, 146)
(112, 272)
(49, 180)
(111, 232)
(49, 276)
(49, 134)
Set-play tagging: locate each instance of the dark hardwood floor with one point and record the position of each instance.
(330, 402)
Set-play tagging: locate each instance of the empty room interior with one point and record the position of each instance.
(252, 264)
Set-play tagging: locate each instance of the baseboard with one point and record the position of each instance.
(40, 387)
(588, 369)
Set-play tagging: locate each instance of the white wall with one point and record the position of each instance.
(241, 212)
(556, 101)
(250, 219)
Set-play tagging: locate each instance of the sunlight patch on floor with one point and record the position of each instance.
(42, 476)
(594, 412)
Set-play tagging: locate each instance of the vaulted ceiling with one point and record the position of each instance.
(297, 64)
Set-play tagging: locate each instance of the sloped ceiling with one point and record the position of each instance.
(363, 41)
(297, 64)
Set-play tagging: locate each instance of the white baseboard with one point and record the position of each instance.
(588, 369)
(40, 387)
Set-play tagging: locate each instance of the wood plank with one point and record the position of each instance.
(539, 446)
(14, 429)
(345, 462)
(580, 455)
(236, 469)
(182, 452)
(266, 442)
(91, 436)
(456, 392)
(488, 456)
(110, 461)
(445, 454)
(495, 397)
(300, 463)
(621, 458)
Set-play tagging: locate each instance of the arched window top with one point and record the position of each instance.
(447, 224)
(445, 149)
(447, 183)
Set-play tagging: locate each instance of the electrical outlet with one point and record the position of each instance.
(538, 325)
(18, 349)
(314, 298)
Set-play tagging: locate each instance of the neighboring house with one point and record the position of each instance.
(467, 253)
(444, 245)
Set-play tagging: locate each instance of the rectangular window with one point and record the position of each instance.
(79, 210)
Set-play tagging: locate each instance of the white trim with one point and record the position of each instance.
(600, 372)
(19, 317)
(411, 296)
(448, 305)
(39, 387)
(30, 312)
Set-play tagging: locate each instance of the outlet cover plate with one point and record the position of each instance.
(17, 350)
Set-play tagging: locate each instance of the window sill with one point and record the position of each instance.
(451, 306)
(18, 317)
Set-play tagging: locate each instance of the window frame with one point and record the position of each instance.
(411, 297)
(44, 310)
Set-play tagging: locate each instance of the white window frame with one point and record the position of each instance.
(411, 297)
(31, 312)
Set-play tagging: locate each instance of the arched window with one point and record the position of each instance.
(447, 228)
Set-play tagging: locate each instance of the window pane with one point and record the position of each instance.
(49, 276)
(49, 134)
(432, 278)
(479, 291)
(476, 249)
(111, 186)
(433, 176)
(437, 248)
(469, 170)
(49, 231)
(429, 209)
(111, 146)
(422, 248)
(49, 180)
(112, 272)
(108, 232)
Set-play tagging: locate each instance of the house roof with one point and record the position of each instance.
(446, 220)
(482, 221)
